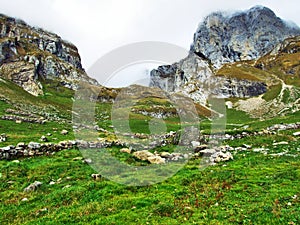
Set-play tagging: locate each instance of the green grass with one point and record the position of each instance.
(252, 189)
(272, 93)
(27, 132)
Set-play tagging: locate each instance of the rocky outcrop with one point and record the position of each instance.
(30, 55)
(193, 77)
(223, 38)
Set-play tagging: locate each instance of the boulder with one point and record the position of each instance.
(221, 157)
(156, 159)
(64, 132)
(34, 145)
(296, 134)
(96, 176)
(44, 138)
(143, 155)
(33, 186)
(125, 150)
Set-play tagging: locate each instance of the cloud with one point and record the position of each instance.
(98, 26)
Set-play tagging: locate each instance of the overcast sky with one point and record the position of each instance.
(98, 26)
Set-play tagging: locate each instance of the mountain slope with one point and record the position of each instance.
(29, 56)
(243, 55)
(241, 36)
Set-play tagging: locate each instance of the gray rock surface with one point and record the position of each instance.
(224, 38)
(29, 55)
(33, 186)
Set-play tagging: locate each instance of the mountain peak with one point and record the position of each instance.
(29, 56)
(246, 35)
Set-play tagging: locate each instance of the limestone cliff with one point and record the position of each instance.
(223, 39)
(30, 55)
(247, 35)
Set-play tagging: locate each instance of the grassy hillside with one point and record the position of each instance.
(253, 188)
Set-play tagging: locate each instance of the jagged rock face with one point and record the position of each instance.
(30, 55)
(246, 35)
(188, 76)
(23, 74)
(226, 88)
(45, 41)
(193, 77)
(222, 39)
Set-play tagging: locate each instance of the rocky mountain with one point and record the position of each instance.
(234, 56)
(241, 36)
(30, 56)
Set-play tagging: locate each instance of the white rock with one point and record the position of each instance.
(281, 143)
(88, 161)
(64, 132)
(258, 150)
(221, 157)
(296, 133)
(208, 151)
(195, 143)
(96, 176)
(67, 186)
(229, 104)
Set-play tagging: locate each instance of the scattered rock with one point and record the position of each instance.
(143, 155)
(34, 145)
(166, 155)
(52, 183)
(64, 132)
(33, 186)
(296, 134)
(221, 157)
(281, 143)
(88, 161)
(247, 146)
(208, 152)
(44, 139)
(125, 150)
(3, 137)
(96, 176)
(279, 154)
(195, 144)
(200, 148)
(67, 186)
(77, 158)
(259, 149)
(156, 159)
(24, 199)
(229, 104)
